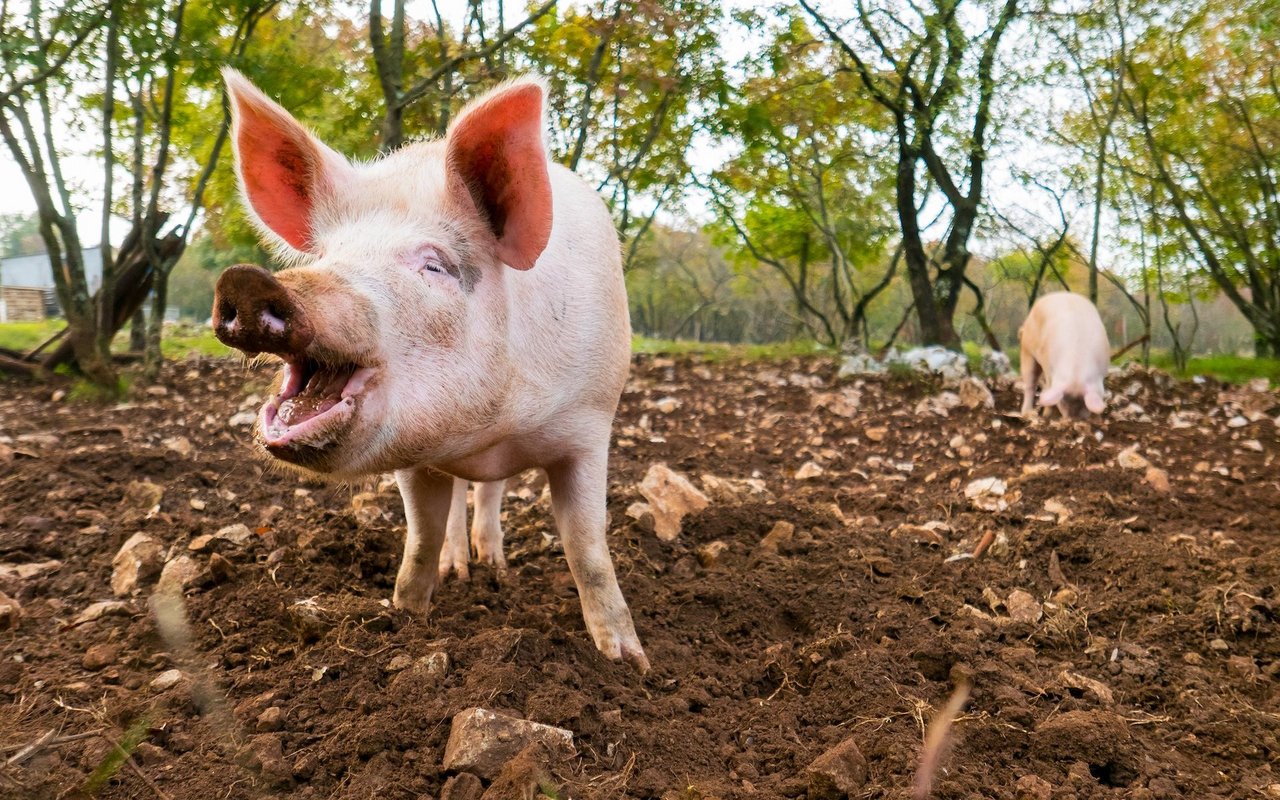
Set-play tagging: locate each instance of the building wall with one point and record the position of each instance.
(34, 271)
(21, 304)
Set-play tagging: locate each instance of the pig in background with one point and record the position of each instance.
(1065, 342)
(453, 312)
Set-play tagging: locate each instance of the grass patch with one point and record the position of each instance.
(86, 391)
(719, 351)
(23, 336)
(1226, 368)
(180, 342)
(114, 760)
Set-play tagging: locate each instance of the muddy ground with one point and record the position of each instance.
(1118, 629)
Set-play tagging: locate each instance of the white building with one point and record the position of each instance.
(26, 284)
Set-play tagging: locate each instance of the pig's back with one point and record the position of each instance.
(1070, 333)
(570, 326)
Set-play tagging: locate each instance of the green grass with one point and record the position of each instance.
(717, 351)
(1228, 368)
(179, 340)
(185, 340)
(22, 336)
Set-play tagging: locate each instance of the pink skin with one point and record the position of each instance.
(467, 320)
(1065, 342)
(486, 530)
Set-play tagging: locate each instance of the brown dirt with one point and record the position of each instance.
(1153, 672)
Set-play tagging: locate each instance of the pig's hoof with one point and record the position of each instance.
(636, 658)
(415, 602)
(458, 568)
(625, 648)
(495, 560)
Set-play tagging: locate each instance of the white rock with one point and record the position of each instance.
(103, 608)
(166, 680)
(138, 560)
(180, 445)
(975, 394)
(177, 575)
(809, 469)
(1130, 458)
(30, 570)
(947, 363)
(482, 741)
(860, 364)
(667, 404)
(10, 612)
(733, 490)
(987, 494)
(671, 497)
(1023, 607)
(242, 419)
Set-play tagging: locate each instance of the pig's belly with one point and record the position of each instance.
(498, 461)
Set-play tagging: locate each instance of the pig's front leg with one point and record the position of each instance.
(427, 496)
(578, 487)
(486, 530)
(454, 554)
(1030, 375)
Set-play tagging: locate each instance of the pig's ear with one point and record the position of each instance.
(1093, 400)
(284, 171)
(1051, 396)
(495, 148)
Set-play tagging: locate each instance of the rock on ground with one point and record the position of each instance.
(483, 741)
(139, 560)
(837, 773)
(670, 498)
(10, 612)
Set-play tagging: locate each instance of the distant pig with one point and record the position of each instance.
(454, 309)
(1064, 340)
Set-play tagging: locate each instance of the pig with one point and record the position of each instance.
(453, 311)
(1063, 338)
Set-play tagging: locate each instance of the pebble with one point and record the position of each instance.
(99, 656)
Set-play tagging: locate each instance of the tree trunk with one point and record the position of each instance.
(138, 331)
(159, 298)
(1264, 348)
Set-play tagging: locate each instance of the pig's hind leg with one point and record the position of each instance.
(1030, 377)
(578, 488)
(454, 554)
(486, 530)
(427, 496)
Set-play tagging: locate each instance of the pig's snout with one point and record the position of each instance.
(254, 312)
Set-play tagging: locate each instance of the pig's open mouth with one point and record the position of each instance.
(315, 400)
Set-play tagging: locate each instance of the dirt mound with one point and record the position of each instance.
(1119, 631)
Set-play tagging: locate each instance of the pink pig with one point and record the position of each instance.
(454, 311)
(1064, 339)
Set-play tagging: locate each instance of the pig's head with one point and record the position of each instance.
(392, 319)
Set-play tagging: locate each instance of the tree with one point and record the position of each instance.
(434, 49)
(37, 57)
(19, 234)
(807, 192)
(630, 81)
(938, 84)
(1200, 139)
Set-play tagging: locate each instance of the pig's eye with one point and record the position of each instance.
(430, 260)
